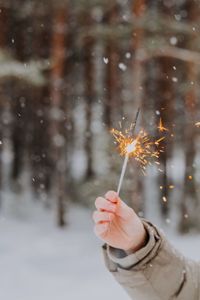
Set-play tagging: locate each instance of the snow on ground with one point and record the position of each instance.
(41, 262)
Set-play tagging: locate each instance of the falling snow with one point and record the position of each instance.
(122, 66)
(106, 60)
(128, 55)
(174, 79)
(173, 40)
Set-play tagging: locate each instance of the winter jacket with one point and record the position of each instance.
(155, 272)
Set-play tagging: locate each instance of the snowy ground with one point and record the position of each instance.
(41, 262)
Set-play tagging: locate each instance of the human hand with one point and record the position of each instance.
(126, 231)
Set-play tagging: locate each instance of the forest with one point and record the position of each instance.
(73, 70)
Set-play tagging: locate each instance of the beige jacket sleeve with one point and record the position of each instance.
(156, 271)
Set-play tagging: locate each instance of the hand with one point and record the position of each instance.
(126, 231)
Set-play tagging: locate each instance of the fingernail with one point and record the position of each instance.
(112, 196)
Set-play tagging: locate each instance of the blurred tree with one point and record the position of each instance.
(111, 60)
(138, 11)
(165, 108)
(38, 138)
(89, 76)
(51, 92)
(57, 114)
(190, 202)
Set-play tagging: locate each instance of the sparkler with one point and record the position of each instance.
(131, 147)
(141, 147)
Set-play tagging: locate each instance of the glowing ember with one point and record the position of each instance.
(158, 141)
(164, 199)
(142, 148)
(161, 127)
(190, 177)
(197, 124)
(171, 186)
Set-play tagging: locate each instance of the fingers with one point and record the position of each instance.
(112, 196)
(99, 216)
(103, 204)
(101, 228)
(122, 209)
(112, 203)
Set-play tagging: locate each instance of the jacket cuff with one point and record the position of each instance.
(124, 261)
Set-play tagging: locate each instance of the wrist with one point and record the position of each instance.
(142, 243)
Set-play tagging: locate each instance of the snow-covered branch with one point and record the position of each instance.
(30, 71)
(173, 52)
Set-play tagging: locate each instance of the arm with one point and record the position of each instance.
(155, 270)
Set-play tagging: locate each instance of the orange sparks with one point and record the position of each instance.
(158, 141)
(197, 124)
(161, 127)
(142, 148)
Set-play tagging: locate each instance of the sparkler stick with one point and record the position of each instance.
(136, 118)
(130, 148)
(144, 149)
(122, 173)
(127, 155)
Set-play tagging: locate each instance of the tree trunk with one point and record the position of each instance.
(4, 15)
(137, 91)
(190, 207)
(89, 94)
(111, 61)
(165, 107)
(58, 141)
